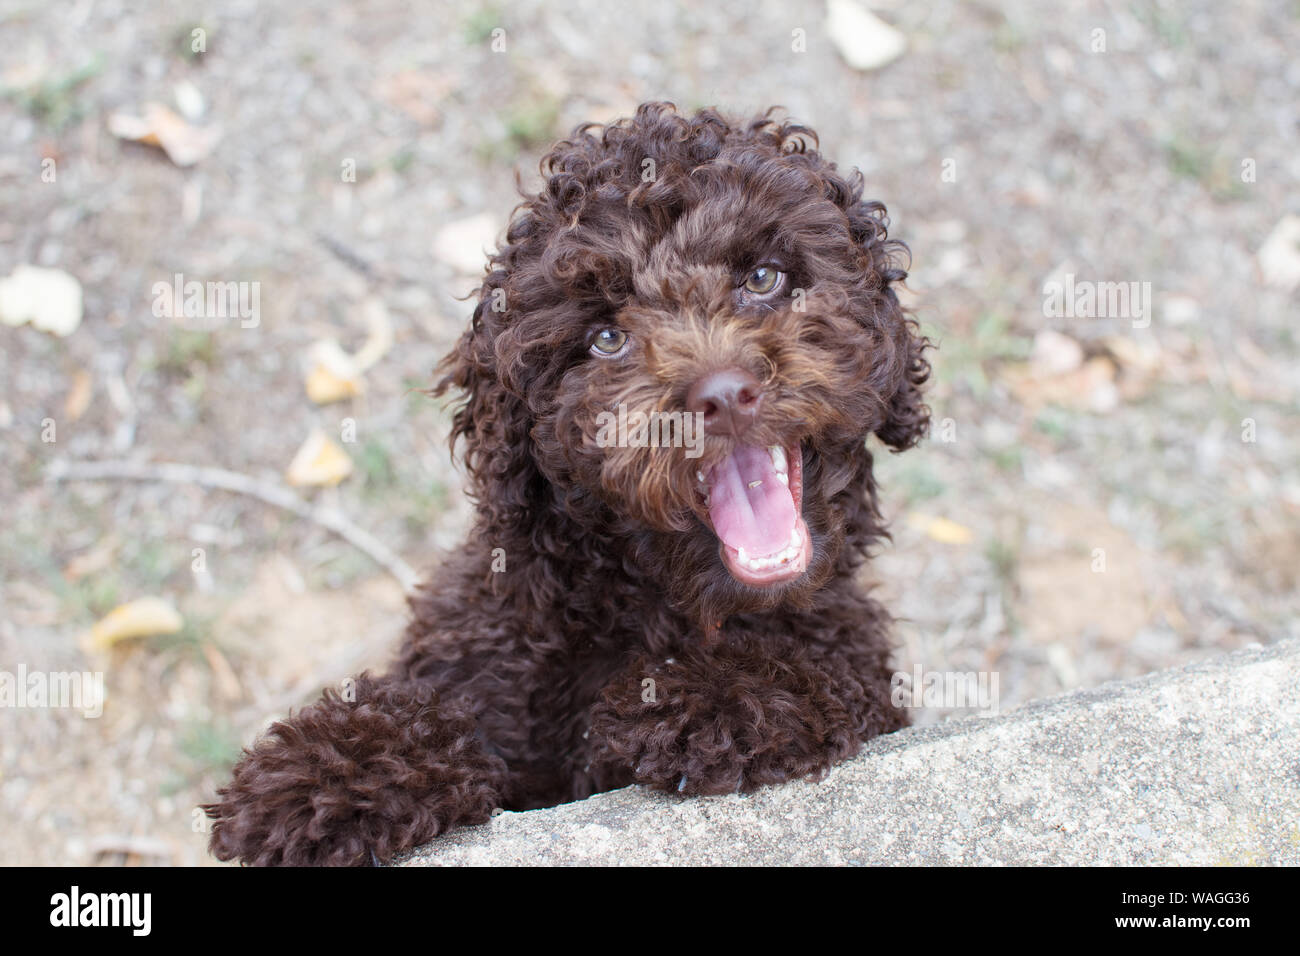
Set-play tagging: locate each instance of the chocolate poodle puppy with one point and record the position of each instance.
(670, 378)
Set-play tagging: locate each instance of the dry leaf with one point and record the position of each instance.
(1054, 354)
(1141, 362)
(49, 298)
(189, 101)
(141, 618)
(864, 40)
(379, 337)
(417, 93)
(319, 462)
(1092, 386)
(324, 386)
(1180, 309)
(78, 400)
(227, 681)
(1279, 257)
(333, 374)
(94, 560)
(184, 143)
(463, 244)
(940, 529)
(1143, 356)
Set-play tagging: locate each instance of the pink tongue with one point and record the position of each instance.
(759, 519)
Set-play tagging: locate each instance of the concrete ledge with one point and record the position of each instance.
(1198, 766)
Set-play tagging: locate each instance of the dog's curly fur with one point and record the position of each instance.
(592, 574)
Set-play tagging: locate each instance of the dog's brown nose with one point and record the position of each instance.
(728, 399)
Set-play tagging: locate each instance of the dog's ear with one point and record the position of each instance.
(908, 420)
(493, 422)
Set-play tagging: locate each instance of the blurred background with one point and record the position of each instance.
(1103, 495)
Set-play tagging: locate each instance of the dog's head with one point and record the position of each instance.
(685, 343)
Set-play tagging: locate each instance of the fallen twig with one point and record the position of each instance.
(330, 518)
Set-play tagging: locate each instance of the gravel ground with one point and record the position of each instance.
(1009, 150)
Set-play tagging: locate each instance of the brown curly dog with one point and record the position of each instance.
(671, 375)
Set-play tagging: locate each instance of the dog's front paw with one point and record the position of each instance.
(728, 719)
(354, 779)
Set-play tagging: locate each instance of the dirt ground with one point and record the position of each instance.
(1101, 497)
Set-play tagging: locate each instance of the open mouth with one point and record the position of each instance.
(754, 500)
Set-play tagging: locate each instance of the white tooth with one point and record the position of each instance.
(796, 539)
(699, 476)
(782, 477)
(778, 458)
(740, 556)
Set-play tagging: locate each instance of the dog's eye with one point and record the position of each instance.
(609, 343)
(763, 281)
